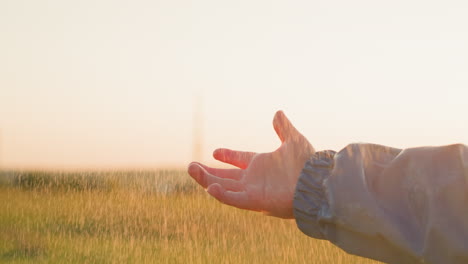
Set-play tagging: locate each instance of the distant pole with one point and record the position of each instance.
(197, 128)
(1, 152)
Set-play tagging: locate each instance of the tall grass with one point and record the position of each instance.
(140, 217)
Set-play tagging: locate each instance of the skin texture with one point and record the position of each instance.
(263, 182)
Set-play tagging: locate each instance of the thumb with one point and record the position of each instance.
(284, 128)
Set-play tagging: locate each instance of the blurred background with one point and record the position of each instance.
(101, 84)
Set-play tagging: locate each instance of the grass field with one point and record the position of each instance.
(140, 217)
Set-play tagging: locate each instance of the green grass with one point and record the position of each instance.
(140, 217)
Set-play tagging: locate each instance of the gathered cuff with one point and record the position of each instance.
(310, 201)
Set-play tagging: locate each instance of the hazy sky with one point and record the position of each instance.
(87, 84)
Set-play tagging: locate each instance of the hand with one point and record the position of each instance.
(264, 182)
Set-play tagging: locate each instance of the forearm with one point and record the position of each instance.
(387, 204)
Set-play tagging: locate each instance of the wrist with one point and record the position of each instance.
(310, 203)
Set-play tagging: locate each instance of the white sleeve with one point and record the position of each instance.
(392, 205)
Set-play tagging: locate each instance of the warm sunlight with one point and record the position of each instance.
(245, 131)
(113, 83)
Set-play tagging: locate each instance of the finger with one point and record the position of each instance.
(236, 199)
(234, 174)
(284, 127)
(205, 179)
(240, 159)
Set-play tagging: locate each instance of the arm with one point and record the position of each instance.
(397, 206)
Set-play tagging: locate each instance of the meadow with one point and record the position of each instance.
(140, 217)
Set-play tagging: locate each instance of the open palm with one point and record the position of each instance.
(264, 182)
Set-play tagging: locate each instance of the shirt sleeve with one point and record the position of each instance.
(392, 205)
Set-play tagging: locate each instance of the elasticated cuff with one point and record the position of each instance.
(310, 201)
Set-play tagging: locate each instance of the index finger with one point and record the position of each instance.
(240, 159)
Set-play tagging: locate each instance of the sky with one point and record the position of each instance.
(114, 84)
